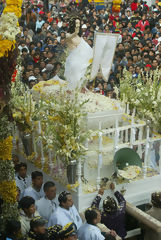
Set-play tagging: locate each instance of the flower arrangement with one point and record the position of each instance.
(6, 148)
(143, 94)
(9, 26)
(8, 191)
(65, 132)
(8, 55)
(22, 104)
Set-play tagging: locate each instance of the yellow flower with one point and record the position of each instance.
(91, 60)
(13, 9)
(14, 2)
(6, 149)
(5, 46)
(8, 191)
(72, 186)
(17, 115)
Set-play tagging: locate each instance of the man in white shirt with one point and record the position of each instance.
(47, 204)
(36, 190)
(27, 212)
(89, 230)
(23, 181)
(66, 212)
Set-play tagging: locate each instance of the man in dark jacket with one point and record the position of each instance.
(113, 216)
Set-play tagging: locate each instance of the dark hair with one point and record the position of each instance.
(90, 215)
(12, 226)
(48, 185)
(72, 23)
(63, 197)
(110, 237)
(24, 50)
(20, 165)
(26, 202)
(36, 174)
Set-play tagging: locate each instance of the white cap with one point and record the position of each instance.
(32, 78)
(84, 26)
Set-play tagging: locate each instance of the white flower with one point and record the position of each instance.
(7, 31)
(138, 90)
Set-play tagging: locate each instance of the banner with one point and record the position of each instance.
(104, 49)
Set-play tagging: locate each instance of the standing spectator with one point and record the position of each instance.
(23, 181)
(66, 212)
(12, 230)
(69, 232)
(27, 212)
(113, 216)
(155, 212)
(48, 204)
(89, 230)
(36, 190)
(143, 23)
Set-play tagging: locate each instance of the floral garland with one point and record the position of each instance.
(6, 148)
(8, 31)
(9, 26)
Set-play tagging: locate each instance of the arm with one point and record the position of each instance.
(121, 200)
(97, 200)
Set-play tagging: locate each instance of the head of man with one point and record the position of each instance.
(22, 169)
(109, 205)
(54, 232)
(156, 199)
(155, 63)
(15, 160)
(69, 232)
(13, 228)
(92, 216)
(37, 225)
(65, 200)
(27, 204)
(37, 179)
(50, 190)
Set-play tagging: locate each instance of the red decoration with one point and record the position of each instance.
(14, 76)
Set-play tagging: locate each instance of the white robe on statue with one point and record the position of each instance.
(46, 207)
(77, 63)
(63, 216)
(89, 232)
(31, 192)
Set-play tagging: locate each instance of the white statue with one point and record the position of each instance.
(80, 54)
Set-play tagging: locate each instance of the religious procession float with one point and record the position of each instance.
(80, 139)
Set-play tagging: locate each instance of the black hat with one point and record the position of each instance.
(62, 196)
(68, 230)
(37, 221)
(109, 205)
(156, 199)
(54, 231)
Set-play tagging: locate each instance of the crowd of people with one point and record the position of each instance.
(42, 42)
(47, 214)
